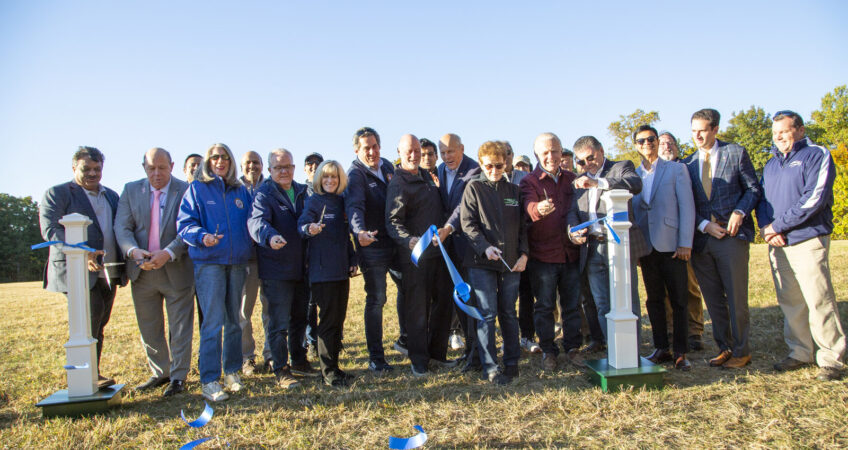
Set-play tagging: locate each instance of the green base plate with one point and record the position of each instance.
(648, 375)
(59, 404)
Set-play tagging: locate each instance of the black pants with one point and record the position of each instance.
(662, 273)
(101, 298)
(525, 307)
(590, 311)
(331, 299)
(426, 292)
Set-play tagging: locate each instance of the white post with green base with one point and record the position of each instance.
(82, 395)
(623, 367)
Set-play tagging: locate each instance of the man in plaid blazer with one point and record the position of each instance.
(726, 190)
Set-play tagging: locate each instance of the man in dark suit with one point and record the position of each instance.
(601, 174)
(665, 212)
(455, 172)
(726, 191)
(160, 270)
(85, 195)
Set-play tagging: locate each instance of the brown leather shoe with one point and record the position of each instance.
(737, 362)
(549, 361)
(659, 356)
(721, 358)
(681, 363)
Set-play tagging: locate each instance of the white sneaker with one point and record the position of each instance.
(213, 392)
(530, 345)
(232, 382)
(456, 341)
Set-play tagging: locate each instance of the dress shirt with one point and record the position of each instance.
(647, 181)
(103, 211)
(163, 199)
(594, 193)
(713, 159)
(450, 175)
(377, 172)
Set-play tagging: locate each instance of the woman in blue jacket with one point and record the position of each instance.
(331, 262)
(213, 222)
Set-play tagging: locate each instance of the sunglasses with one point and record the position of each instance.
(582, 162)
(498, 166)
(217, 157)
(288, 167)
(650, 139)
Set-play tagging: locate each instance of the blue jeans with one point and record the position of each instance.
(597, 276)
(547, 280)
(219, 289)
(375, 263)
(496, 293)
(287, 305)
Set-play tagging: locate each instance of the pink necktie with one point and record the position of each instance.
(153, 238)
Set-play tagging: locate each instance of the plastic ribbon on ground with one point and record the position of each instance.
(81, 245)
(204, 418)
(407, 443)
(617, 217)
(73, 367)
(195, 443)
(461, 289)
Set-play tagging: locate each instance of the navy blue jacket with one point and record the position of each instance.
(365, 201)
(798, 192)
(274, 214)
(456, 244)
(330, 252)
(207, 207)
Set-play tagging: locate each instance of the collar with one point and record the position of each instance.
(101, 190)
(555, 176)
(163, 190)
(712, 150)
(597, 175)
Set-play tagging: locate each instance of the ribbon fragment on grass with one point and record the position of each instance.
(195, 443)
(461, 289)
(81, 245)
(617, 217)
(204, 418)
(408, 443)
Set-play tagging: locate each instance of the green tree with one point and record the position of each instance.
(752, 130)
(829, 126)
(622, 131)
(840, 192)
(18, 230)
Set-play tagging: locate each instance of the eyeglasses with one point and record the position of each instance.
(498, 166)
(650, 139)
(582, 162)
(313, 162)
(288, 167)
(225, 157)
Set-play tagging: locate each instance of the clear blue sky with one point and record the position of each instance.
(127, 76)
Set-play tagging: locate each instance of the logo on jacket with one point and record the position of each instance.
(239, 203)
(795, 164)
(510, 202)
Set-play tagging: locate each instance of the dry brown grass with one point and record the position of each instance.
(705, 408)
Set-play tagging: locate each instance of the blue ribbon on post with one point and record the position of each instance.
(409, 443)
(461, 289)
(81, 245)
(616, 217)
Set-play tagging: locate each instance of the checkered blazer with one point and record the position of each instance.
(735, 186)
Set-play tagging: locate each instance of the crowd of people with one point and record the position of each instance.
(219, 241)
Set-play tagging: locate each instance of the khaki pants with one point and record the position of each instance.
(801, 275)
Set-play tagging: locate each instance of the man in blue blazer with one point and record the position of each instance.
(85, 195)
(455, 172)
(665, 212)
(726, 190)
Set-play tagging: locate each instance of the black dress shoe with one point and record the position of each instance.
(174, 388)
(593, 347)
(696, 344)
(659, 356)
(152, 382)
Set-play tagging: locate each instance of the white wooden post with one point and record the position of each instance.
(80, 350)
(622, 341)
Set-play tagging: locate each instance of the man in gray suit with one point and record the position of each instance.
(601, 174)
(665, 212)
(159, 269)
(726, 190)
(85, 195)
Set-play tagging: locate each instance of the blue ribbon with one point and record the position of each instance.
(204, 418)
(49, 243)
(195, 443)
(73, 367)
(461, 289)
(616, 217)
(407, 443)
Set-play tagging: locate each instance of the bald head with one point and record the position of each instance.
(452, 150)
(251, 167)
(548, 150)
(409, 151)
(158, 165)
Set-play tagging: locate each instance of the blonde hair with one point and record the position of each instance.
(492, 149)
(205, 174)
(329, 167)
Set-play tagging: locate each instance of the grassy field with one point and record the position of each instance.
(707, 407)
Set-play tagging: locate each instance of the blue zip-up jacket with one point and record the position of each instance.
(274, 214)
(330, 253)
(207, 207)
(798, 192)
(365, 201)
